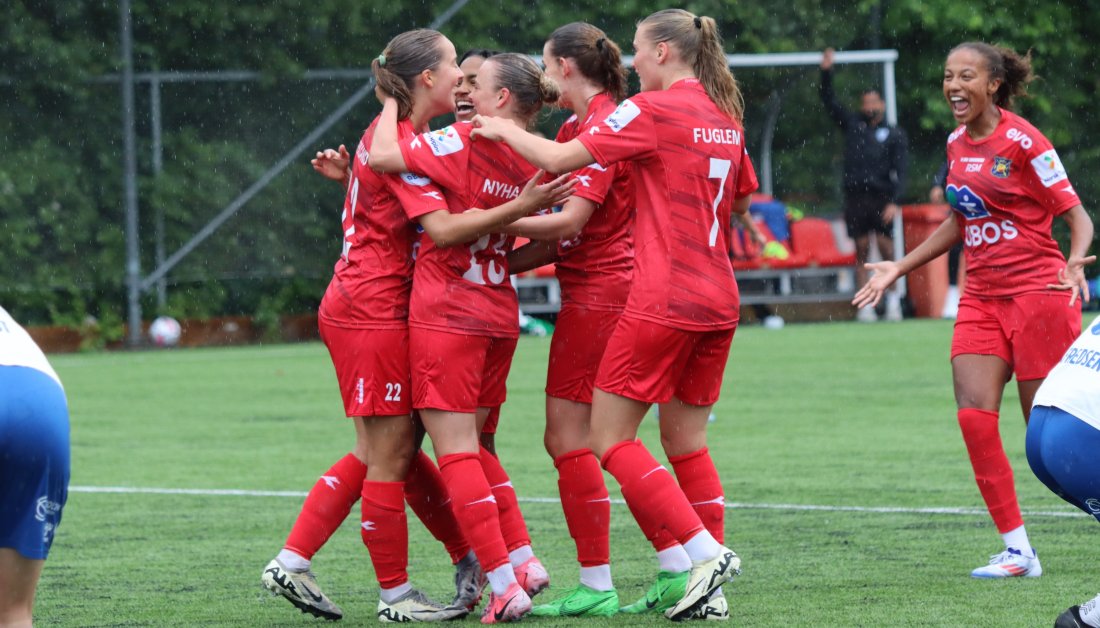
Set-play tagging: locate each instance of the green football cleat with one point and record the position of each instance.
(662, 594)
(581, 601)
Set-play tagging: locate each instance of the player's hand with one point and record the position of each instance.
(332, 164)
(491, 128)
(883, 275)
(1072, 278)
(827, 59)
(537, 195)
(755, 235)
(935, 195)
(888, 213)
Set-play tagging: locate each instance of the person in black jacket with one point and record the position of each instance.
(875, 163)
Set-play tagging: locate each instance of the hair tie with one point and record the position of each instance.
(599, 43)
(381, 60)
(698, 22)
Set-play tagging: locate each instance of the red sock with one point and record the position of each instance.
(587, 506)
(327, 506)
(654, 497)
(385, 531)
(991, 467)
(512, 526)
(475, 508)
(699, 480)
(427, 496)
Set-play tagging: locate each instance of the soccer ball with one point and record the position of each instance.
(165, 331)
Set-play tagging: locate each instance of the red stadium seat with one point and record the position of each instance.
(813, 239)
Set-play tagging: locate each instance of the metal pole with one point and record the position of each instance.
(890, 95)
(158, 166)
(775, 102)
(133, 259)
(288, 158)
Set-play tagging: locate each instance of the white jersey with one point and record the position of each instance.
(17, 348)
(1073, 384)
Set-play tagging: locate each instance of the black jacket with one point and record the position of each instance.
(876, 158)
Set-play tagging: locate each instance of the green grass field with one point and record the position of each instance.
(836, 444)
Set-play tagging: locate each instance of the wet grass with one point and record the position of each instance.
(836, 415)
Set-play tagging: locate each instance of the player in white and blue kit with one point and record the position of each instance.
(34, 467)
(1063, 442)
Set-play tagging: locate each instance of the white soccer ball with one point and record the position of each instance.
(165, 331)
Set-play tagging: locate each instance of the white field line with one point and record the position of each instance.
(231, 492)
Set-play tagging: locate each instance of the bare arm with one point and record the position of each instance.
(540, 152)
(886, 273)
(385, 153)
(567, 223)
(447, 229)
(532, 255)
(1072, 277)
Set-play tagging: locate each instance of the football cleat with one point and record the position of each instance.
(512, 606)
(661, 595)
(532, 576)
(1010, 563)
(580, 601)
(714, 609)
(300, 589)
(415, 606)
(470, 581)
(1083, 616)
(705, 577)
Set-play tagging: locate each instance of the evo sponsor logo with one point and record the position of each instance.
(622, 116)
(1049, 168)
(1023, 139)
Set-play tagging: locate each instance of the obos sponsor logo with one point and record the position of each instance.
(622, 116)
(444, 141)
(414, 179)
(1049, 168)
(989, 232)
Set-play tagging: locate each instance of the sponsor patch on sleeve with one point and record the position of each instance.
(622, 116)
(444, 141)
(1049, 168)
(414, 179)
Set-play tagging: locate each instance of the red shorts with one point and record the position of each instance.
(1030, 332)
(491, 421)
(372, 367)
(580, 338)
(457, 372)
(649, 362)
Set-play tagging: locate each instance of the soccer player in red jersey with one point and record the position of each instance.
(1020, 310)
(363, 321)
(684, 138)
(463, 325)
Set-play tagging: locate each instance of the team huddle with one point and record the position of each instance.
(420, 318)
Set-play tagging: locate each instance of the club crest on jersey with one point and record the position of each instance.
(414, 179)
(1002, 167)
(622, 116)
(444, 141)
(1049, 168)
(966, 202)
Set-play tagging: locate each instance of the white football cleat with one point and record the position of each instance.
(300, 589)
(1010, 563)
(415, 606)
(705, 577)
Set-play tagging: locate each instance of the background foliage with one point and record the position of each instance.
(61, 170)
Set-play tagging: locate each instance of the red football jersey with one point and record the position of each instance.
(372, 280)
(1006, 190)
(466, 287)
(596, 265)
(690, 163)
